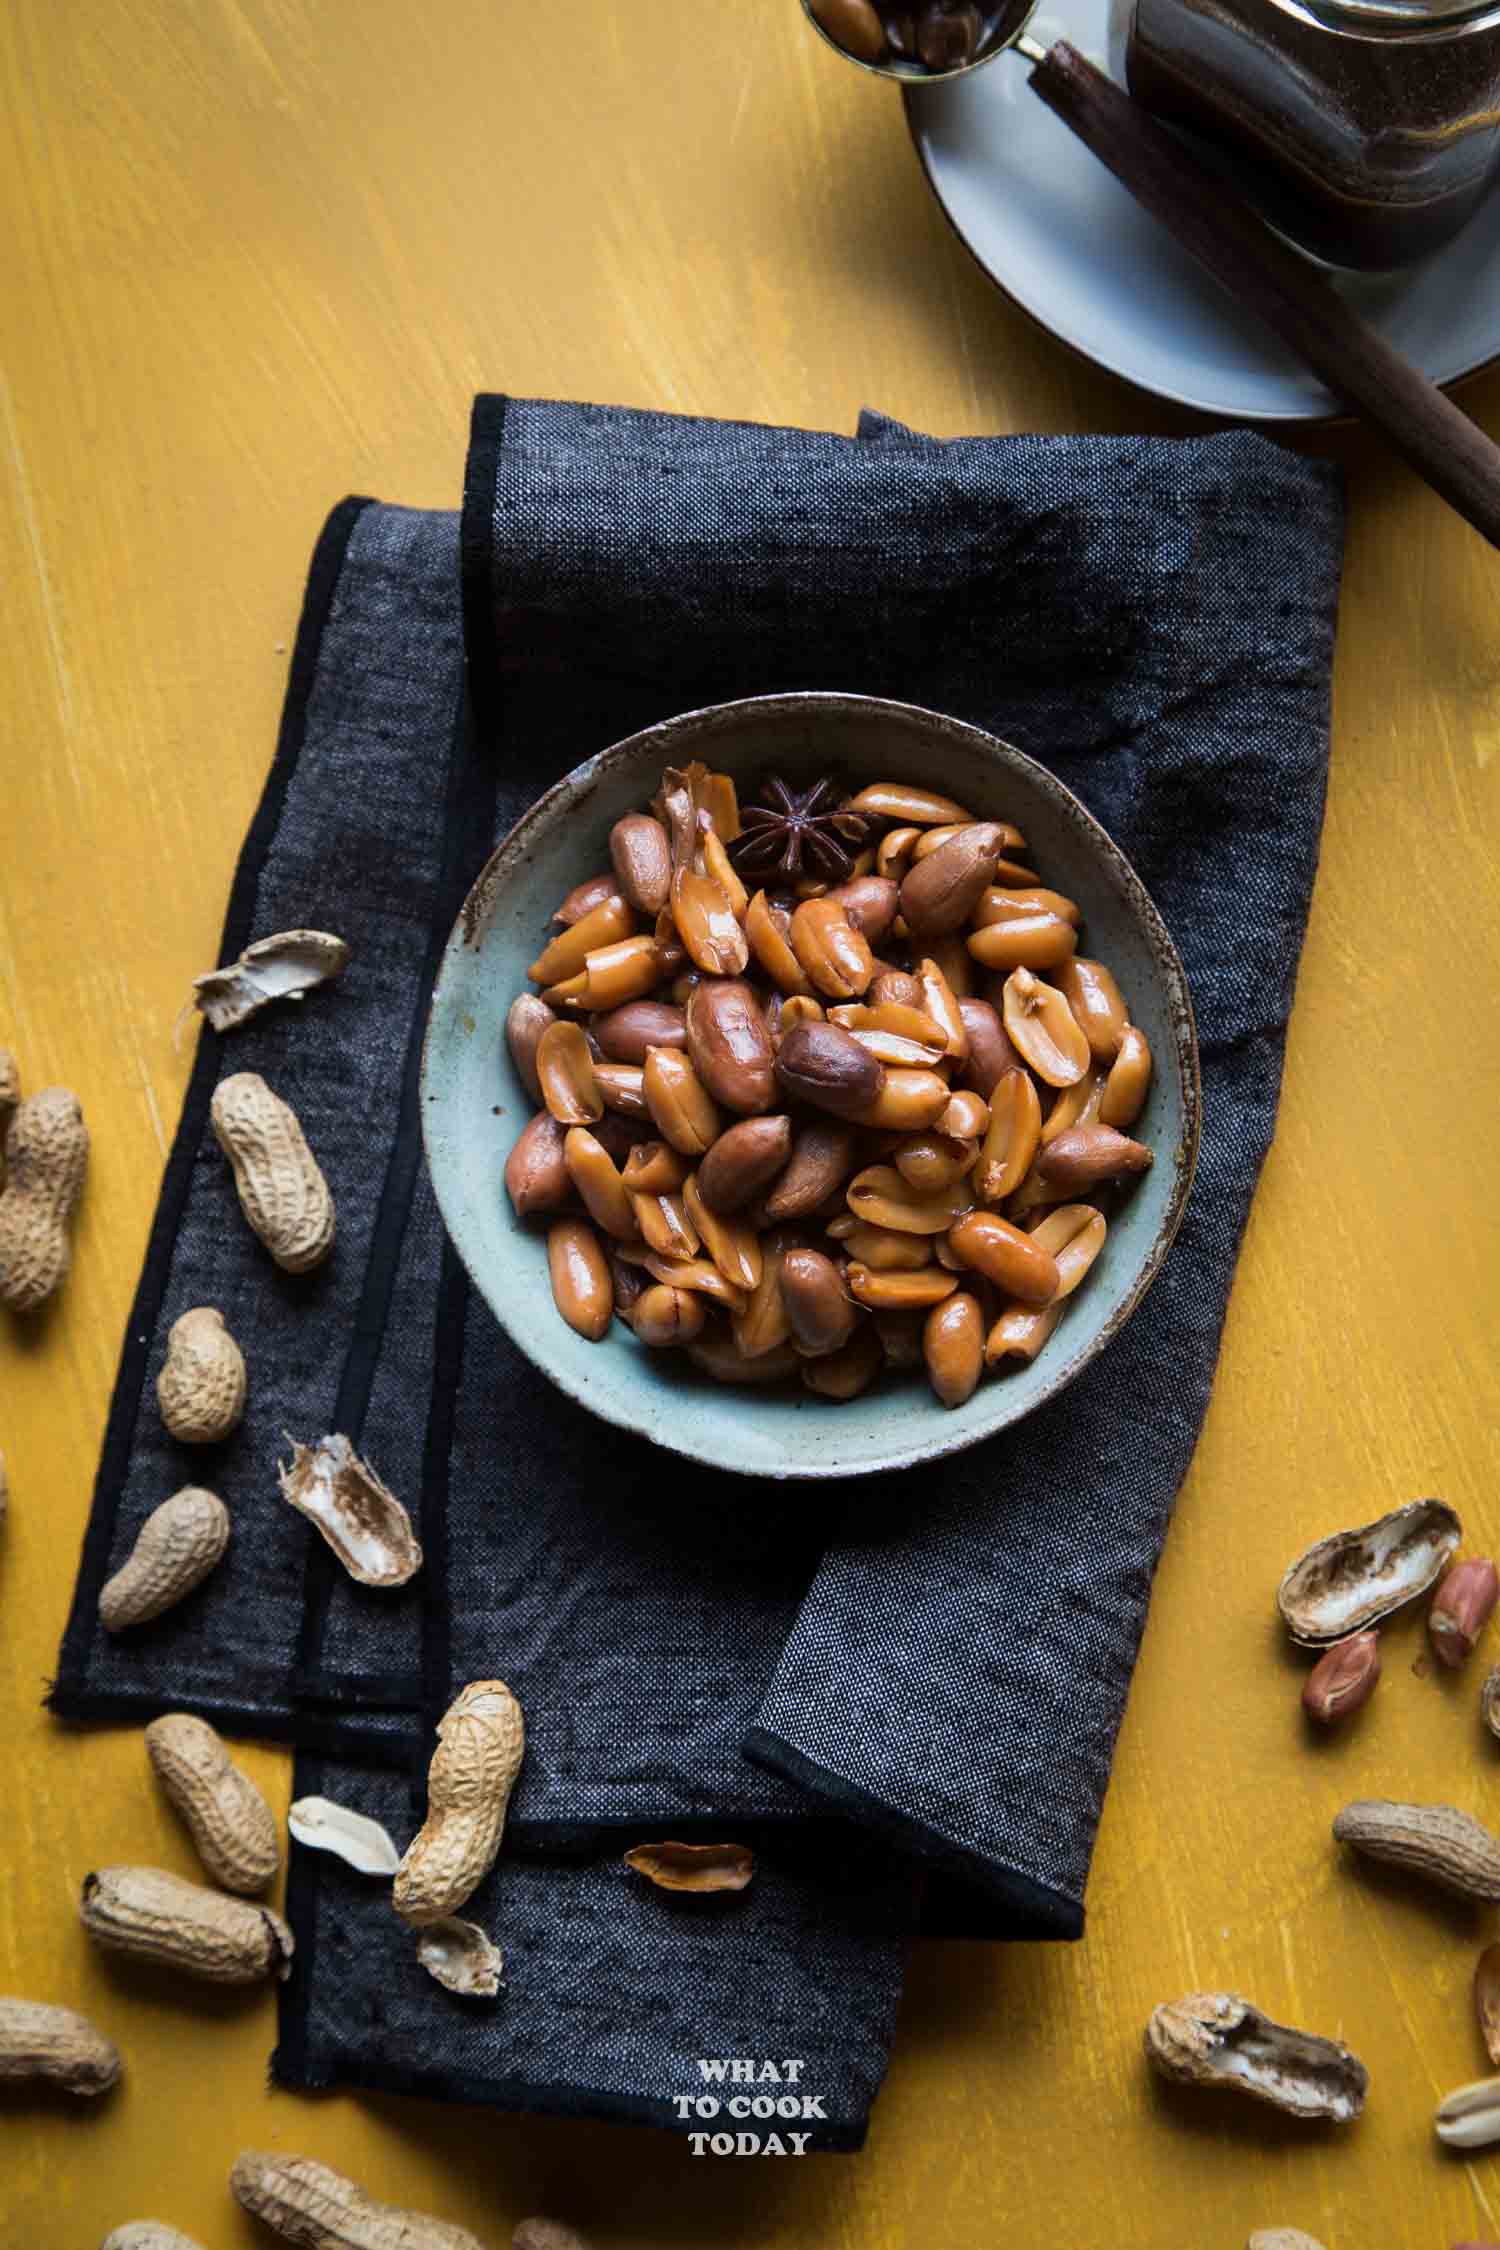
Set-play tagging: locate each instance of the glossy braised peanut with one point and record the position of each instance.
(1085, 1155)
(1075, 1105)
(939, 892)
(952, 957)
(655, 1168)
(624, 1033)
(567, 953)
(868, 905)
(762, 1326)
(845, 1373)
(1020, 1332)
(730, 1046)
(884, 1249)
(641, 856)
(565, 1068)
(833, 956)
(622, 1088)
(664, 1223)
(679, 1101)
(908, 1101)
(768, 927)
(1014, 1261)
(663, 1316)
(592, 1172)
(821, 1160)
(900, 1336)
(694, 1273)
(1073, 1235)
(594, 891)
(1030, 941)
(797, 1007)
(1015, 1128)
(895, 1050)
(895, 988)
(1000, 905)
(1097, 1003)
(991, 1054)
(893, 853)
(582, 1288)
(900, 1292)
(933, 1160)
(822, 1065)
(942, 1003)
(913, 807)
(529, 1017)
(953, 1347)
(881, 1197)
(733, 1247)
(1129, 1081)
(1041, 1026)
(718, 1354)
(910, 1025)
(744, 1160)
(819, 1313)
(966, 1118)
(612, 975)
(536, 1174)
(704, 917)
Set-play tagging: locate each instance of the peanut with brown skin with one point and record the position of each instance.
(826, 1067)
(868, 905)
(1085, 1156)
(1014, 1261)
(41, 2045)
(201, 1388)
(581, 1286)
(536, 1171)
(175, 1549)
(665, 1317)
(1343, 1679)
(282, 1192)
(232, 1826)
(641, 856)
(313, 2206)
(567, 954)
(844, 1373)
(46, 1157)
(730, 1046)
(1026, 941)
(527, 1019)
(743, 1161)
(481, 1741)
(584, 897)
(939, 892)
(1461, 1608)
(158, 1917)
(819, 1313)
(626, 1032)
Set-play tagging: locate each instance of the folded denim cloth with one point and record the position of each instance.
(942, 1657)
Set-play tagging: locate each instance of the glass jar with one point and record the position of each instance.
(1368, 130)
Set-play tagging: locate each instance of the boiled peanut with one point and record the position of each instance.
(568, 953)
(942, 1004)
(908, 1101)
(939, 892)
(581, 1285)
(761, 1325)
(1085, 1155)
(642, 860)
(831, 952)
(929, 1161)
(729, 1045)
(593, 1174)
(991, 1054)
(1074, 1236)
(882, 1197)
(536, 1172)
(626, 1032)
(767, 928)
(1129, 1081)
(967, 1117)
(916, 1030)
(44, 2045)
(953, 1347)
(1030, 941)
(665, 1226)
(175, 1549)
(819, 1314)
(481, 1741)
(953, 960)
(655, 1168)
(868, 904)
(282, 1193)
(827, 1067)
(893, 854)
(46, 1156)
(1077, 1104)
(232, 1826)
(734, 1248)
(843, 1374)
(309, 2203)
(665, 1316)
(744, 1160)
(594, 891)
(622, 1088)
(997, 905)
(613, 975)
(718, 1354)
(1015, 1128)
(1042, 1027)
(883, 1249)
(524, 1025)
(679, 1102)
(798, 1007)
(694, 1273)
(1021, 1331)
(704, 915)
(201, 1387)
(900, 1292)
(821, 1160)
(1097, 1003)
(1014, 1261)
(159, 1917)
(901, 801)
(894, 988)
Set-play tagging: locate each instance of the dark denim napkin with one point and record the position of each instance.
(943, 1656)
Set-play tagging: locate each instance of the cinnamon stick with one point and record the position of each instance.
(1441, 443)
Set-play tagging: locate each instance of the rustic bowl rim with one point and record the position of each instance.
(669, 740)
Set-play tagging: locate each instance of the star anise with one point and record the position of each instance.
(799, 832)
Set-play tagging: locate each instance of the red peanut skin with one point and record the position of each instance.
(1343, 1679)
(1461, 1608)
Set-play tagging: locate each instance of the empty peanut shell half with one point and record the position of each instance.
(461, 1957)
(274, 968)
(1218, 2039)
(1436, 1842)
(693, 1867)
(1469, 2117)
(361, 1519)
(353, 1837)
(1282, 2238)
(1355, 1578)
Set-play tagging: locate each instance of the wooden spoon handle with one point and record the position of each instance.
(1290, 295)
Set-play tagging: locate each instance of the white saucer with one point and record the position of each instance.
(1072, 248)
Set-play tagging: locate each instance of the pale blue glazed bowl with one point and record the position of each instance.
(474, 1105)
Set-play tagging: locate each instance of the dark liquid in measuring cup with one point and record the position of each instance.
(1369, 132)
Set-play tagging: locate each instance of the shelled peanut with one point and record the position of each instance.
(825, 1085)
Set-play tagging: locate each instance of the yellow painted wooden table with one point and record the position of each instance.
(261, 252)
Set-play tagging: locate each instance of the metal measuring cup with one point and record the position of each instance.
(849, 27)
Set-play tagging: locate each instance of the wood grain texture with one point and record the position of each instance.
(261, 252)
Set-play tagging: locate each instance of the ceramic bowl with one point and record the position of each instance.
(474, 1105)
